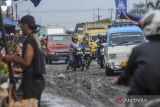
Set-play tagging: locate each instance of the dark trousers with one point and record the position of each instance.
(32, 86)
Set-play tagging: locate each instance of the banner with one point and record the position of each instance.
(36, 2)
(121, 6)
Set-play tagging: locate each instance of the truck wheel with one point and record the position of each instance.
(45, 60)
(66, 61)
(102, 65)
(49, 61)
(67, 67)
(108, 71)
(102, 62)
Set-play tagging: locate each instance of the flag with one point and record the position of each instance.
(36, 2)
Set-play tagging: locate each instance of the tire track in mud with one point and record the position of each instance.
(91, 88)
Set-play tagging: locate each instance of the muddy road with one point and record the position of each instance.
(88, 88)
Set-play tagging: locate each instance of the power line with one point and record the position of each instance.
(68, 10)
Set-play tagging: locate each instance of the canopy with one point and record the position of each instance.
(9, 22)
(130, 16)
(134, 17)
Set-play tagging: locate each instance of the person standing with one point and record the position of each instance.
(32, 61)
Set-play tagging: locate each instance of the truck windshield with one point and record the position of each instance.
(126, 39)
(59, 39)
(94, 37)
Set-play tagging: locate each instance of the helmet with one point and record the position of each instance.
(74, 37)
(151, 23)
(84, 37)
(99, 36)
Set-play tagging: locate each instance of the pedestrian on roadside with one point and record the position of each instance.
(32, 60)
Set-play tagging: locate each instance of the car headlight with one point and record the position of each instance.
(124, 63)
(52, 53)
(112, 56)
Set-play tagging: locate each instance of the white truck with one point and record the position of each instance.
(121, 39)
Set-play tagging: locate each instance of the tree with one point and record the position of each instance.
(138, 9)
(105, 20)
(153, 5)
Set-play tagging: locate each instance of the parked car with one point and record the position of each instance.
(121, 38)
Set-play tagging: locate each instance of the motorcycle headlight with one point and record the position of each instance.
(112, 56)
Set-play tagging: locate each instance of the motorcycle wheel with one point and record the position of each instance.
(82, 64)
(88, 62)
(82, 68)
(74, 68)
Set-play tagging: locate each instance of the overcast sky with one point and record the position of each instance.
(68, 12)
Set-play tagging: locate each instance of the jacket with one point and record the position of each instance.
(142, 73)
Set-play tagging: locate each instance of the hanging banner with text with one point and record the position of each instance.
(121, 7)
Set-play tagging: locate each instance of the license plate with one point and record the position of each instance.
(124, 63)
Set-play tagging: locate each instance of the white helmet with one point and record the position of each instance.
(151, 23)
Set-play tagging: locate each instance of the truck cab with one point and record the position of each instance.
(92, 37)
(57, 45)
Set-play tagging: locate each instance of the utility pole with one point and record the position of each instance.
(98, 15)
(16, 10)
(146, 4)
(93, 15)
(111, 14)
(12, 12)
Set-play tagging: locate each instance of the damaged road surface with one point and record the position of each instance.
(88, 88)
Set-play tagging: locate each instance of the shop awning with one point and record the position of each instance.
(9, 22)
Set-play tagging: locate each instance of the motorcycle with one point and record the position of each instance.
(79, 62)
(100, 60)
(87, 56)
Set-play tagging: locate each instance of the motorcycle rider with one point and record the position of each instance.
(142, 73)
(99, 45)
(84, 43)
(74, 45)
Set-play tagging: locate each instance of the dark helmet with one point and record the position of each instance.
(74, 37)
(99, 36)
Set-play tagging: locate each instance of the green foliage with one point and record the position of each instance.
(105, 20)
(4, 74)
(138, 9)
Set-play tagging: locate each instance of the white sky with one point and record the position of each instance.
(68, 12)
